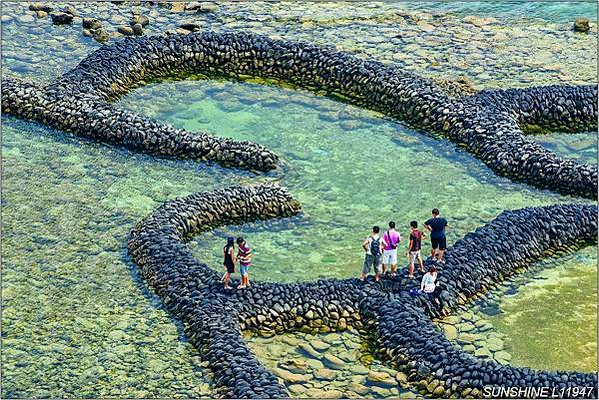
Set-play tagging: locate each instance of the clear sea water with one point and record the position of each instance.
(77, 319)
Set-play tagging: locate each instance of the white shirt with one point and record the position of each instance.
(370, 241)
(428, 283)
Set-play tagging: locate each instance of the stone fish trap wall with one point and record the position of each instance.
(487, 124)
(400, 325)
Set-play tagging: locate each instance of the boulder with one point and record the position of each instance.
(189, 26)
(61, 18)
(450, 332)
(137, 30)
(91, 23)
(381, 379)
(101, 36)
(40, 7)
(494, 344)
(125, 30)
(325, 374)
(582, 25)
(334, 361)
(140, 19)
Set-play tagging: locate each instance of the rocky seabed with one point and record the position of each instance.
(490, 124)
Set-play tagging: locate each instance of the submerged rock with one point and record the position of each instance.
(61, 18)
(582, 25)
(40, 7)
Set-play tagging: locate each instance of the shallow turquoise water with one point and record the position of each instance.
(78, 321)
(581, 147)
(545, 10)
(349, 168)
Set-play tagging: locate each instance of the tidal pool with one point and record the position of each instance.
(77, 319)
(542, 319)
(349, 168)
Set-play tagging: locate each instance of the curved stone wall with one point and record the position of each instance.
(400, 325)
(101, 121)
(488, 124)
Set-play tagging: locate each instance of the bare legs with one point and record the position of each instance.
(226, 278)
(245, 281)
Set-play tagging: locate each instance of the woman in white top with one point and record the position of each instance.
(428, 285)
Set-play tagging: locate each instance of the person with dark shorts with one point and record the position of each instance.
(229, 261)
(436, 225)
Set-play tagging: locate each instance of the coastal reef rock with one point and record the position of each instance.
(400, 324)
(491, 124)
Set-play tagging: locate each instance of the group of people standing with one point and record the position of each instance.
(244, 257)
(380, 253)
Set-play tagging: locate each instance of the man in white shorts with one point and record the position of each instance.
(391, 240)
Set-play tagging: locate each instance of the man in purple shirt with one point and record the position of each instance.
(391, 240)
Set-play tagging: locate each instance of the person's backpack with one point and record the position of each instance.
(375, 246)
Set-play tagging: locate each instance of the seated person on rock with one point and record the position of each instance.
(429, 287)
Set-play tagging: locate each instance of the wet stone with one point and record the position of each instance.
(289, 376)
(582, 25)
(494, 344)
(502, 356)
(483, 352)
(466, 327)
(334, 361)
(320, 345)
(381, 379)
(450, 332)
(325, 374)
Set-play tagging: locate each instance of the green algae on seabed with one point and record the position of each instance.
(550, 323)
(581, 147)
(77, 320)
(543, 318)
